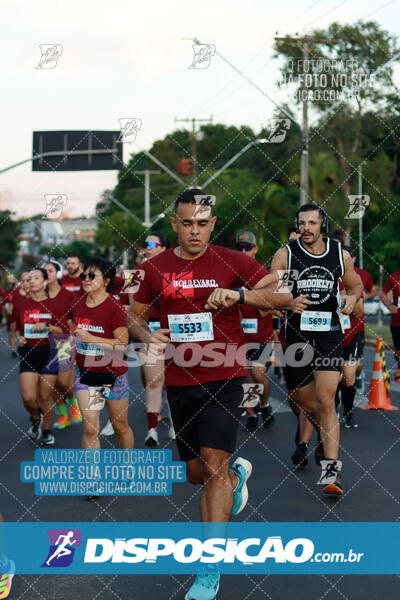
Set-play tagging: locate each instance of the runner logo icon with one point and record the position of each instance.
(63, 543)
(251, 394)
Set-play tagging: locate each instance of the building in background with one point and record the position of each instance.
(6, 200)
(47, 232)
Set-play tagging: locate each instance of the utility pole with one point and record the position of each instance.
(194, 143)
(360, 223)
(305, 43)
(146, 173)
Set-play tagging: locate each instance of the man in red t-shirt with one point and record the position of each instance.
(71, 281)
(258, 332)
(198, 287)
(358, 322)
(353, 345)
(369, 293)
(391, 298)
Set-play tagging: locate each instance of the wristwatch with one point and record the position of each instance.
(241, 294)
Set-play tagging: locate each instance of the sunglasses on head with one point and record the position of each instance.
(91, 275)
(151, 245)
(245, 247)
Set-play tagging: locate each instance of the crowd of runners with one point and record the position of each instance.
(207, 322)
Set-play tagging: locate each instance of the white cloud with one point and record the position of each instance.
(127, 58)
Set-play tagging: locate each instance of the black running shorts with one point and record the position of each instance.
(206, 415)
(396, 337)
(254, 354)
(38, 359)
(355, 349)
(303, 356)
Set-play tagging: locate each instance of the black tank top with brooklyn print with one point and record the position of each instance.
(318, 276)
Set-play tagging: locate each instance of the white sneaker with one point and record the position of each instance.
(151, 439)
(107, 429)
(171, 433)
(48, 439)
(35, 430)
(360, 383)
(243, 469)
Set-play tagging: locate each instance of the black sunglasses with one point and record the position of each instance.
(246, 247)
(91, 275)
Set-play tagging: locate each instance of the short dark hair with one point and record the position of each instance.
(189, 197)
(105, 266)
(163, 240)
(73, 255)
(309, 207)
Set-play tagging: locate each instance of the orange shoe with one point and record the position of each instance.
(75, 414)
(396, 377)
(62, 422)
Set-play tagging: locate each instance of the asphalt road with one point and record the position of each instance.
(277, 493)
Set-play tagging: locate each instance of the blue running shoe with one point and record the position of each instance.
(206, 585)
(7, 571)
(242, 468)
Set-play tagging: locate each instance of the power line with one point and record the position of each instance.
(234, 79)
(305, 43)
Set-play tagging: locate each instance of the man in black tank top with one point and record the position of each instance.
(313, 264)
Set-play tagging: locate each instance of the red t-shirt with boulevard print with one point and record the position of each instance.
(27, 313)
(72, 284)
(392, 284)
(101, 321)
(181, 288)
(62, 307)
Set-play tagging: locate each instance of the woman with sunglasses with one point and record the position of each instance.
(154, 244)
(153, 375)
(35, 321)
(99, 322)
(63, 303)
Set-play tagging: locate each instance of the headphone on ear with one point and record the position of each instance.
(56, 264)
(313, 206)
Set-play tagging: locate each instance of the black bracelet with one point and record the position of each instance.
(241, 294)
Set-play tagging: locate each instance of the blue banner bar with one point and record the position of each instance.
(237, 548)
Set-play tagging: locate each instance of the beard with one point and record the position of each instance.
(74, 271)
(311, 240)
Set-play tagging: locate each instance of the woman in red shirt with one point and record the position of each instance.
(63, 301)
(101, 333)
(21, 292)
(35, 321)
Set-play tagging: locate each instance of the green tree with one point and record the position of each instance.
(9, 231)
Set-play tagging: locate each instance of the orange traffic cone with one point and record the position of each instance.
(378, 398)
